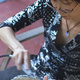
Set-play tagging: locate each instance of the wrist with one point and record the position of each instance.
(15, 46)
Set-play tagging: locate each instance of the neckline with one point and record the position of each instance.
(68, 44)
(71, 40)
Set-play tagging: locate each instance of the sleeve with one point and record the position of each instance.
(25, 17)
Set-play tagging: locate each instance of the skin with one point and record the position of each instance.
(62, 4)
(45, 77)
(72, 19)
(20, 54)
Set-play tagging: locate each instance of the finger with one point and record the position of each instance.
(45, 78)
(26, 60)
(19, 61)
(15, 58)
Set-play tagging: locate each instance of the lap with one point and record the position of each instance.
(10, 73)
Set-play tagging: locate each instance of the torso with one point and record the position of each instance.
(61, 38)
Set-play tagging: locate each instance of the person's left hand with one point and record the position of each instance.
(45, 78)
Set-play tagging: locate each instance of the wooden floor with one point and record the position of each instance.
(8, 9)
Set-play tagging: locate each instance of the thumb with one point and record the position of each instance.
(45, 78)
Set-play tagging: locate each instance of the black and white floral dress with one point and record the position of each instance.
(62, 64)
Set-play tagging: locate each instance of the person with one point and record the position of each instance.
(59, 57)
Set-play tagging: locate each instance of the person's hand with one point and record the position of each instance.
(20, 56)
(45, 78)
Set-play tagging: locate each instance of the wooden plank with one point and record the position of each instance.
(30, 34)
(5, 60)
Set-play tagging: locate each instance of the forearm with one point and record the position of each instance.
(8, 37)
(19, 53)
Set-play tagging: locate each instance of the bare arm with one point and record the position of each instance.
(20, 20)
(19, 53)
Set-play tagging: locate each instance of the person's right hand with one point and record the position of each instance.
(20, 56)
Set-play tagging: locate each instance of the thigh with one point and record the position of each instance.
(9, 73)
(41, 64)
